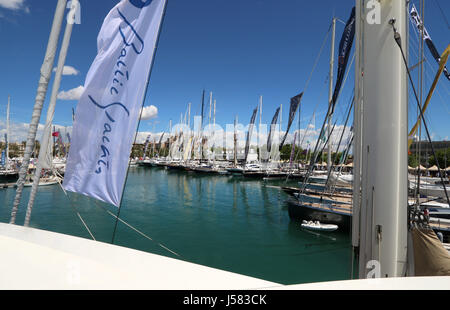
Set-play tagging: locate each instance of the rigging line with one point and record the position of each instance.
(443, 14)
(317, 58)
(72, 206)
(140, 115)
(343, 85)
(440, 82)
(427, 75)
(345, 156)
(416, 32)
(314, 154)
(139, 232)
(397, 39)
(339, 144)
(314, 111)
(345, 80)
(437, 91)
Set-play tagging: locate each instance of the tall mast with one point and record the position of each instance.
(357, 127)
(210, 108)
(214, 131)
(281, 120)
(201, 128)
(235, 143)
(299, 108)
(259, 130)
(209, 124)
(330, 93)
(383, 93)
(169, 144)
(8, 137)
(189, 116)
(46, 71)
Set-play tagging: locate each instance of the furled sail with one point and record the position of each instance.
(417, 21)
(291, 158)
(345, 47)
(430, 257)
(295, 102)
(249, 133)
(146, 145)
(160, 140)
(272, 126)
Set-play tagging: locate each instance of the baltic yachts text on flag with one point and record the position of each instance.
(107, 114)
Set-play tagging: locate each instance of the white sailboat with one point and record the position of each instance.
(8, 174)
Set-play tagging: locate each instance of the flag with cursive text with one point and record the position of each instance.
(107, 114)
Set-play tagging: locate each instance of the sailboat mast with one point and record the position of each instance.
(279, 132)
(189, 116)
(383, 93)
(357, 129)
(259, 129)
(201, 127)
(210, 107)
(235, 142)
(299, 142)
(8, 137)
(330, 93)
(169, 144)
(214, 131)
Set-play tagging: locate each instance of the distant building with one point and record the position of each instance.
(425, 146)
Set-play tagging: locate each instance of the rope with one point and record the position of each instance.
(138, 231)
(110, 213)
(71, 204)
(306, 86)
(317, 59)
(398, 41)
(443, 14)
(139, 121)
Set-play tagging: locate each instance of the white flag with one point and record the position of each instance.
(108, 111)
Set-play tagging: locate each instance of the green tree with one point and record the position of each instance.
(413, 161)
(443, 158)
(14, 150)
(137, 150)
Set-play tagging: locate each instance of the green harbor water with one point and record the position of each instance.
(226, 222)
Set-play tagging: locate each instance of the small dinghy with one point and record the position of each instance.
(317, 226)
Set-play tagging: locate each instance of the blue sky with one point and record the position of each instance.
(237, 49)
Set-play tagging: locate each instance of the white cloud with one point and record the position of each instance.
(149, 112)
(72, 94)
(142, 136)
(14, 5)
(19, 131)
(68, 70)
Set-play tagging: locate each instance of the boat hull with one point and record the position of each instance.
(9, 177)
(300, 212)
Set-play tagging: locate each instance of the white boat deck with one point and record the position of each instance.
(36, 259)
(33, 259)
(401, 283)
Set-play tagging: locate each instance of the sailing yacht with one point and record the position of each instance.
(8, 174)
(377, 216)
